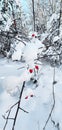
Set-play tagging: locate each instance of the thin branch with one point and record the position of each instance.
(15, 118)
(17, 110)
(56, 125)
(12, 107)
(9, 34)
(49, 116)
(24, 38)
(7, 120)
(20, 41)
(23, 110)
(21, 68)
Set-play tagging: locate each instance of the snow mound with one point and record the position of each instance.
(31, 50)
(18, 51)
(56, 38)
(13, 84)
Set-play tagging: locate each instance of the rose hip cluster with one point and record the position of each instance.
(31, 71)
(28, 96)
(36, 67)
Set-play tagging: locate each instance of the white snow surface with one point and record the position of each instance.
(38, 106)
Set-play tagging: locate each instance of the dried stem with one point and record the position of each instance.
(23, 110)
(7, 120)
(18, 106)
(49, 116)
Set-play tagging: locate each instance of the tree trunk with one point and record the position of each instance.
(60, 17)
(33, 15)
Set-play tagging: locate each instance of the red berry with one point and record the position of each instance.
(26, 97)
(31, 70)
(33, 35)
(31, 95)
(36, 67)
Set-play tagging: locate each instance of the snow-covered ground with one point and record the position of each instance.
(38, 106)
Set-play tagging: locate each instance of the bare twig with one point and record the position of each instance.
(21, 68)
(49, 116)
(24, 38)
(11, 35)
(17, 110)
(12, 107)
(23, 110)
(18, 106)
(7, 120)
(56, 125)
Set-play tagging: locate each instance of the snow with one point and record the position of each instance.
(13, 84)
(56, 38)
(18, 51)
(32, 32)
(53, 17)
(18, 2)
(31, 51)
(28, 52)
(8, 24)
(61, 31)
(37, 97)
(38, 106)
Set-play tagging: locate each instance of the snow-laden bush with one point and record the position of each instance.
(52, 41)
(29, 51)
(17, 55)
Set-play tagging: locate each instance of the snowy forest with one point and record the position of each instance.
(30, 64)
